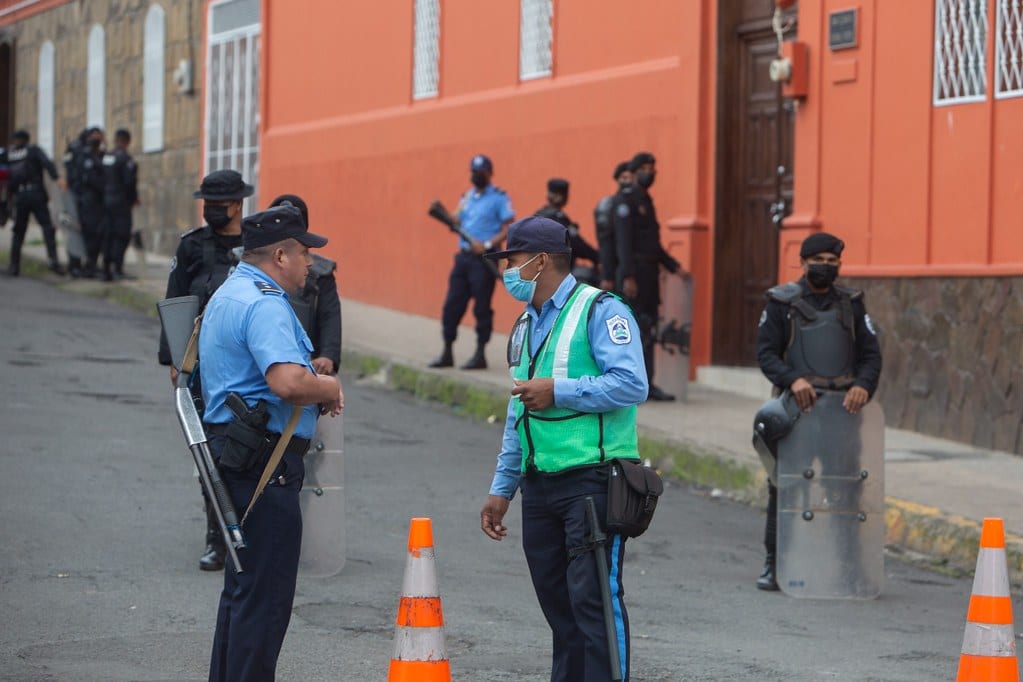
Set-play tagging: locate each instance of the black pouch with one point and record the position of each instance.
(245, 447)
(632, 492)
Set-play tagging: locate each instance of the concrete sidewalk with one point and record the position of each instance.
(938, 491)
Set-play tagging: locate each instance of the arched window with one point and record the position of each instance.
(96, 89)
(153, 77)
(44, 134)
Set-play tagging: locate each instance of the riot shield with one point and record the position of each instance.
(671, 354)
(323, 502)
(831, 526)
(66, 209)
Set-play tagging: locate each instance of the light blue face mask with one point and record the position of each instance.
(520, 289)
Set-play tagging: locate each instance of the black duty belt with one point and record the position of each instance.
(296, 446)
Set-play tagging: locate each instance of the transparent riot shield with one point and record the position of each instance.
(65, 208)
(831, 527)
(671, 354)
(323, 501)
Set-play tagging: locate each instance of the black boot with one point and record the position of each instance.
(57, 268)
(659, 395)
(213, 558)
(13, 269)
(446, 359)
(478, 359)
(767, 580)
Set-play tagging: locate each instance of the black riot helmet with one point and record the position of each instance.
(775, 419)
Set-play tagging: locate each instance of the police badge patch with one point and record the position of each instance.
(870, 325)
(623, 210)
(618, 330)
(763, 318)
(174, 263)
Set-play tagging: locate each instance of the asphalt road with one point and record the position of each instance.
(103, 526)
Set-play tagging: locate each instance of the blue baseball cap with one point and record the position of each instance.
(481, 163)
(535, 235)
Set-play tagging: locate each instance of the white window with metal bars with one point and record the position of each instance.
(96, 87)
(153, 79)
(231, 138)
(960, 46)
(1009, 49)
(44, 102)
(536, 39)
(426, 50)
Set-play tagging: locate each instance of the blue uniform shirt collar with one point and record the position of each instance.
(558, 300)
(252, 272)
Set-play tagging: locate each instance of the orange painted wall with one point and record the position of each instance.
(341, 129)
(914, 189)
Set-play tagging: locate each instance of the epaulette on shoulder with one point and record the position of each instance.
(266, 288)
(498, 189)
(854, 294)
(321, 266)
(785, 293)
(192, 231)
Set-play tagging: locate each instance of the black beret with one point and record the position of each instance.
(620, 168)
(640, 159)
(821, 242)
(21, 134)
(558, 185)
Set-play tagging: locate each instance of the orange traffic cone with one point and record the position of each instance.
(989, 645)
(419, 652)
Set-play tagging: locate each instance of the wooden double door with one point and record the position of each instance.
(754, 172)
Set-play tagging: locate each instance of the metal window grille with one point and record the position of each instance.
(426, 51)
(536, 39)
(960, 45)
(44, 123)
(1009, 49)
(96, 89)
(153, 80)
(232, 91)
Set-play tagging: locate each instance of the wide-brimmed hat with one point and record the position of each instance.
(223, 185)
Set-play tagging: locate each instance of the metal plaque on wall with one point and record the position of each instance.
(842, 29)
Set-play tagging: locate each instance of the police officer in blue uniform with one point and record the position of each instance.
(603, 218)
(26, 165)
(814, 334)
(594, 412)
(204, 258)
(484, 212)
(253, 345)
(120, 196)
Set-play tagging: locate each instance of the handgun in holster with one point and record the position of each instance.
(248, 442)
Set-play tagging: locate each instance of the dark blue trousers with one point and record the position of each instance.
(255, 606)
(555, 524)
(470, 279)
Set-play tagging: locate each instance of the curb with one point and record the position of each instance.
(948, 542)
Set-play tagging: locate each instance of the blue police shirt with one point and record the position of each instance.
(482, 213)
(622, 381)
(247, 327)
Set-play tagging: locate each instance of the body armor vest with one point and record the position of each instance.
(212, 273)
(822, 343)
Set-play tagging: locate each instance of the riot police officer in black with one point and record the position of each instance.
(90, 184)
(637, 237)
(317, 305)
(76, 149)
(815, 335)
(603, 218)
(120, 196)
(557, 198)
(26, 165)
(205, 257)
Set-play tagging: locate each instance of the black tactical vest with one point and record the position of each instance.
(212, 274)
(822, 343)
(306, 302)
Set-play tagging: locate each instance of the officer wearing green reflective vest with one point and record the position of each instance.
(576, 361)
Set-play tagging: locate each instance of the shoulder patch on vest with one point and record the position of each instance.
(785, 293)
(267, 288)
(763, 318)
(618, 330)
(870, 324)
(174, 263)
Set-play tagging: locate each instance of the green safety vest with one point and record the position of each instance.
(555, 439)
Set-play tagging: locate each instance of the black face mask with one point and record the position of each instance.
(645, 179)
(821, 275)
(95, 143)
(216, 216)
(479, 179)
